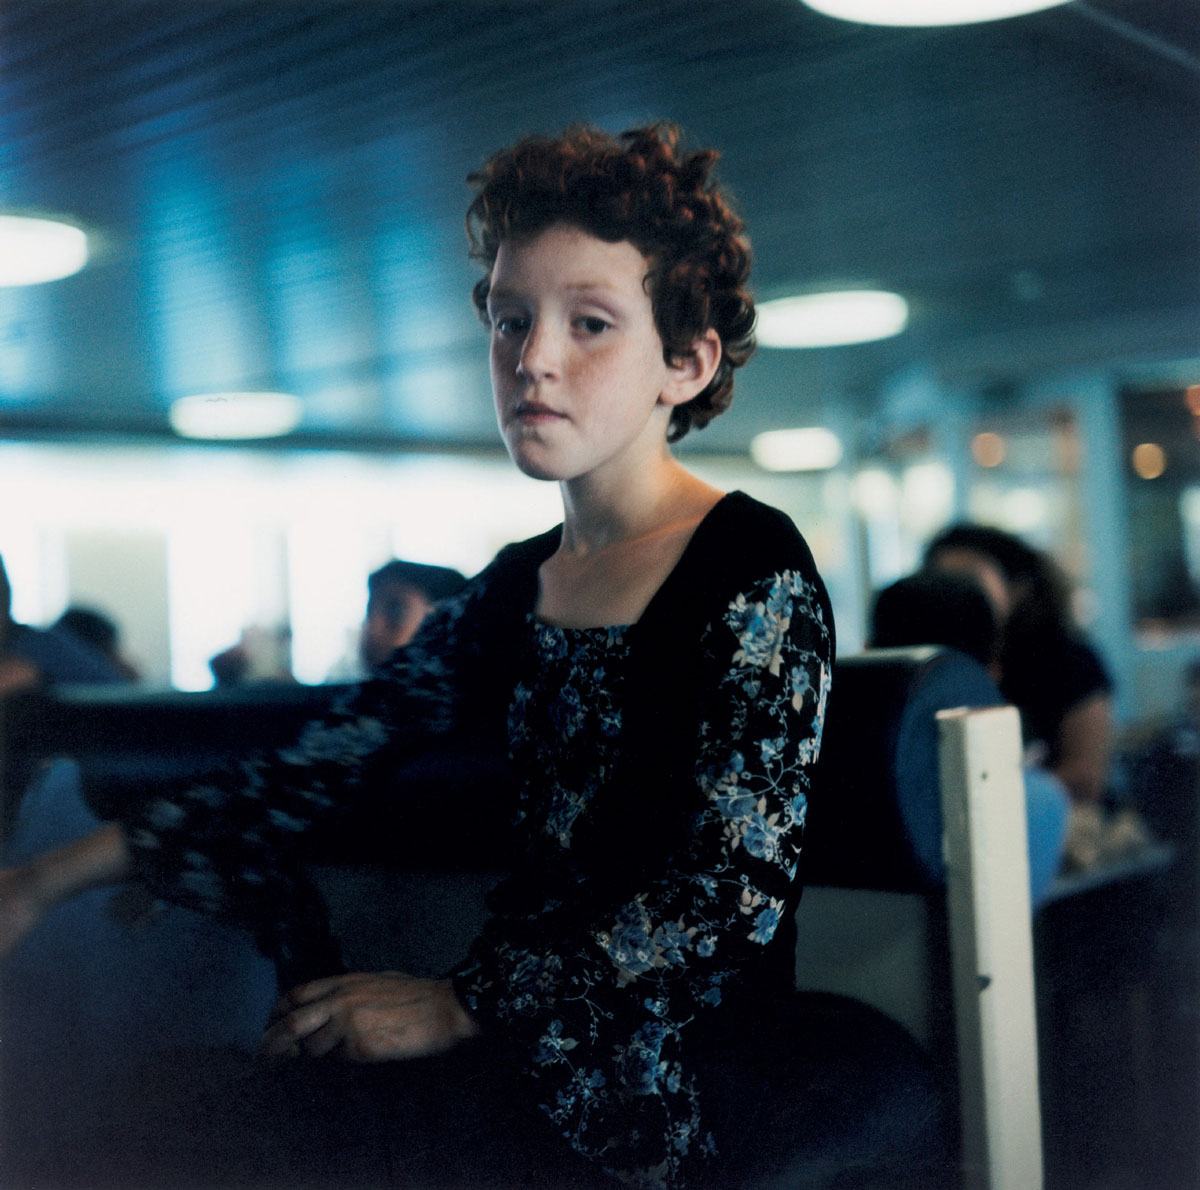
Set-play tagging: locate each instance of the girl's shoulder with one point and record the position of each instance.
(741, 542)
(739, 521)
(740, 550)
(517, 563)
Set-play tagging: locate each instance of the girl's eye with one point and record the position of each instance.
(510, 324)
(593, 325)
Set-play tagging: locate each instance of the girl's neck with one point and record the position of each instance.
(619, 545)
(599, 513)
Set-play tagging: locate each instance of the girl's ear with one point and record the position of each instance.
(688, 376)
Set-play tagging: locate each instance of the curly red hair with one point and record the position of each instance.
(641, 187)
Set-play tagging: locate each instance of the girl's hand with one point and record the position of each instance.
(369, 1018)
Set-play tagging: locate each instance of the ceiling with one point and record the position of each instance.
(275, 191)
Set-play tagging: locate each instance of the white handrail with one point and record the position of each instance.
(987, 890)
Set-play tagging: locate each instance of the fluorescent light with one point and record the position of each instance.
(37, 250)
(236, 415)
(831, 319)
(810, 449)
(928, 12)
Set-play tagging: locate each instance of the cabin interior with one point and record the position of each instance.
(272, 196)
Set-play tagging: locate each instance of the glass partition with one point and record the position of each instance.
(1161, 440)
(192, 551)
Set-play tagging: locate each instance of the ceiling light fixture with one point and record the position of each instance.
(36, 250)
(831, 319)
(928, 12)
(812, 448)
(232, 416)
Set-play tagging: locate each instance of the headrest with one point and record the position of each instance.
(875, 815)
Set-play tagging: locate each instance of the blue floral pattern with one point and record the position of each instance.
(609, 1030)
(608, 998)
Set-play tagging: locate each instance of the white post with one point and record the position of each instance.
(987, 888)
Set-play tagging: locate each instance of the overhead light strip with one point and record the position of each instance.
(35, 250)
(236, 415)
(807, 448)
(928, 12)
(831, 319)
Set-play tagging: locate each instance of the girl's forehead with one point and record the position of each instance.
(572, 257)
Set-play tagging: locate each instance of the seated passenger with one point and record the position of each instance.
(929, 608)
(1044, 666)
(262, 656)
(935, 608)
(108, 980)
(399, 597)
(99, 632)
(33, 657)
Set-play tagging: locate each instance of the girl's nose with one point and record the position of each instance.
(539, 352)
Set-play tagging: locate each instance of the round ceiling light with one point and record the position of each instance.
(928, 12)
(831, 319)
(809, 448)
(36, 250)
(232, 416)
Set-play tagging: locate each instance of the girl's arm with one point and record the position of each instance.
(231, 845)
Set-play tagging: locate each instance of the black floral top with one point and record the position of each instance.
(662, 772)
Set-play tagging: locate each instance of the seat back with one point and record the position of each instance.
(918, 886)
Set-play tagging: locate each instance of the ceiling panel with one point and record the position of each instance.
(276, 191)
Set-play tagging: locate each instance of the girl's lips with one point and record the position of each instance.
(535, 413)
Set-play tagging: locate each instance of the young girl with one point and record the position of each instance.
(657, 668)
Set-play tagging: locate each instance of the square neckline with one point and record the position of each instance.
(676, 577)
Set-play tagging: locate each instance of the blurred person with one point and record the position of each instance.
(656, 668)
(261, 655)
(101, 633)
(31, 658)
(1044, 666)
(400, 595)
(230, 666)
(945, 608)
(930, 608)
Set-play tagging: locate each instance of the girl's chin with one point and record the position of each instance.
(533, 467)
(536, 462)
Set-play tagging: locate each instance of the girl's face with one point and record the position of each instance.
(578, 374)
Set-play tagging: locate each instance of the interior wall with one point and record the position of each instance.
(109, 568)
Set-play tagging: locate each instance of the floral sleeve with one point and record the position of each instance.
(225, 845)
(610, 1010)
